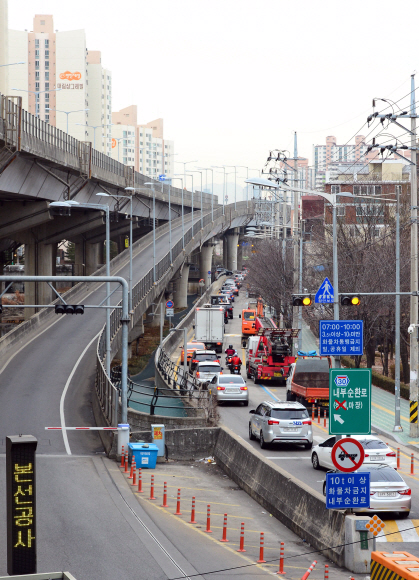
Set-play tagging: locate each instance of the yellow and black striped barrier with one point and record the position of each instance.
(413, 411)
(395, 566)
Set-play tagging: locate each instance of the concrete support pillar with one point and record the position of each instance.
(181, 288)
(93, 257)
(225, 252)
(240, 255)
(205, 263)
(79, 259)
(40, 260)
(232, 239)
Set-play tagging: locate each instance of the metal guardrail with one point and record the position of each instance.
(193, 396)
(23, 131)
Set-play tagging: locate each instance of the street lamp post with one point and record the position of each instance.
(183, 220)
(103, 194)
(118, 139)
(235, 183)
(68, 113)
(224, 187)
(212, 190)
(191, 176)
(154, 228)
(197, 171)
(37, 93)
(94, 127)
(105, 208)
(13, 63)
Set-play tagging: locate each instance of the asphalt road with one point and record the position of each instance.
(86, 523)
(296, 460)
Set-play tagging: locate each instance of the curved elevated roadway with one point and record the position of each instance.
(86, 522)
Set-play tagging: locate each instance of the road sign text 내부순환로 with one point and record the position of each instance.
(347, 490)
(350, 401)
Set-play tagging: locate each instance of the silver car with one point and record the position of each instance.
(205, 371)
(388, 490)
(281, 422)
(231, 388)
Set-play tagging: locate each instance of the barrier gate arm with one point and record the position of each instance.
(125, 319)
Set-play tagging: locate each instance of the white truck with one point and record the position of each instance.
(209, 326)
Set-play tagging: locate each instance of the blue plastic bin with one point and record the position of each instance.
(145, 454)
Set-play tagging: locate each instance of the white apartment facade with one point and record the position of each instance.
(141, 146)
(54, 84)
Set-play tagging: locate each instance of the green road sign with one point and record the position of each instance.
(350, 401)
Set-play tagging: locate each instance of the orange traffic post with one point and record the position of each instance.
(281, 559)
(131, 473)
(307, 574)
(152, 488)
(178, 512)
(326, 572)
(318, 415)
(208, 530)
(398, 457)
(412, 467)
(324, 418)
(134, 473)
(140, 481)
(164, 504)
(312, 412)
(122, 457)
(126, 462)
(241, 549)
(192, 520)
(262, 544)
(224, 538)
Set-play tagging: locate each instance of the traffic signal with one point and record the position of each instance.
(69, 309)
(350, 300)
(302, 300)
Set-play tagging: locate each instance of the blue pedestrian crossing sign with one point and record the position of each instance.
(325, 294)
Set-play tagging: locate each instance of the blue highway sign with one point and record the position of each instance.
(341, 337)
(325, 294)
(347, 490)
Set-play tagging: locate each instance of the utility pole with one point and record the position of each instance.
(295, 233)
(413, 392)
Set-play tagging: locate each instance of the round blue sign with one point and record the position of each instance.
(169, 304)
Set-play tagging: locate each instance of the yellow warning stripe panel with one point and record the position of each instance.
(380, 572)
(413, 411)
(384, 566)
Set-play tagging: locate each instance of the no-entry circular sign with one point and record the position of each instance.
(347, 454)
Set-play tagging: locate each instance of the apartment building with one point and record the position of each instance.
(141, 145)
(380, 178)
(331, 157)
(54, 83)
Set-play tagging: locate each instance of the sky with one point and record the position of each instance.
(233, 79)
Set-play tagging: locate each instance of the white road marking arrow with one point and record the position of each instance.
(339, 418)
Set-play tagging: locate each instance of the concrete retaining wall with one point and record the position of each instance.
(184, 444)
(297, 506)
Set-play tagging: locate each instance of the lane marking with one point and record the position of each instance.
(268, 392)
(387, 411)
(62, 418)
(288, 457)
(391, 528)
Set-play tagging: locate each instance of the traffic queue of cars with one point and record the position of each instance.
(288, 422)
(205, 363)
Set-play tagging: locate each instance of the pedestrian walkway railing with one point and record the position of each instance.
(184, 396)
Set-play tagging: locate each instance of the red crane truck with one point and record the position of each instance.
(269, 354)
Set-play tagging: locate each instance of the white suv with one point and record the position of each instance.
(281, 422)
